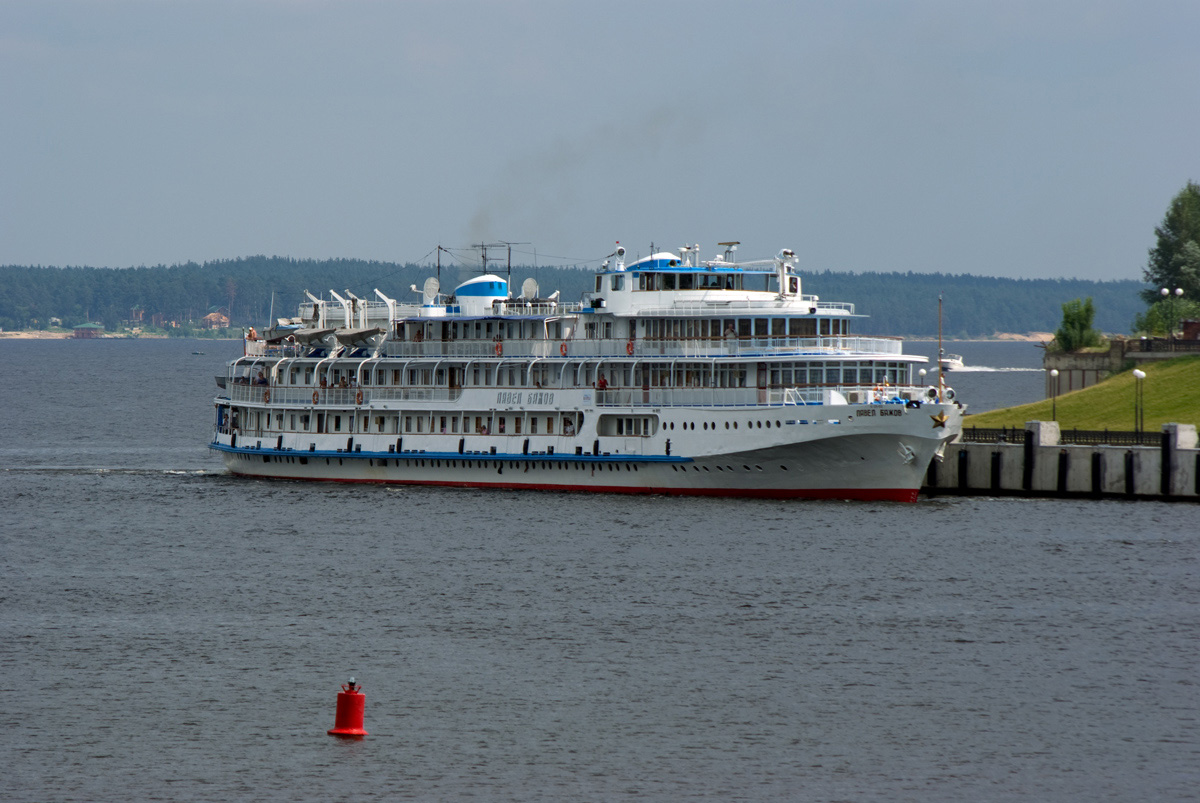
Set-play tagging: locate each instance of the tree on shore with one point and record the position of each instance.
(1175, 259)
(1076, 332)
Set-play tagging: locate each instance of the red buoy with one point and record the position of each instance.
(351, 703)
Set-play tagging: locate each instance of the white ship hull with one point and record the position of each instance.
(842, 452)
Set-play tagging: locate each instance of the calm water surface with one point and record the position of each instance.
(168, 632)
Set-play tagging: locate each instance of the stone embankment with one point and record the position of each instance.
(1039, 464)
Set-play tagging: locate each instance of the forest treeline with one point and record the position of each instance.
(895, 303)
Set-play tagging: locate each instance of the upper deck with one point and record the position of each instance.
(662, 306)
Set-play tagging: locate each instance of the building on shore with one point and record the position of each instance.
(87, 331)
(1082, 369)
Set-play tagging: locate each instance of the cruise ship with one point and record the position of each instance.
(672, 375)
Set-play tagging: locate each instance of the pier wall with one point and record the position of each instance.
(1042, 466)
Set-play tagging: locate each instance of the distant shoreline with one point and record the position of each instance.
(37, 334)
(999, 337)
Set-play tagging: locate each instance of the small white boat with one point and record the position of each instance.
(950, 362)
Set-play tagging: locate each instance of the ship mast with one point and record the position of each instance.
(510, 245)
(941, 354)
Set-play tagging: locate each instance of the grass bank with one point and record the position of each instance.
(1171, 393)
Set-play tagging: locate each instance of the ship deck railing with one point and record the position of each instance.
(751, 397)
(303, 396)
(711, 307)
(685, 347)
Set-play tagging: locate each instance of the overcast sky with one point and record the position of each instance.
(1008, 138)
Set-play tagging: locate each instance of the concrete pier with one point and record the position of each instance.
(1042, 466)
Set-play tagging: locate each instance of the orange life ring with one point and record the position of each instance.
(563, 349)
(266, 397)
(358, 397)
(499, 348)
(629, 348)
(316, 396)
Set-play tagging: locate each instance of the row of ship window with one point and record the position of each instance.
(650, 328)
(664, 375)
(500, 464)
(465, 424)
(713, 424)
(483, 424)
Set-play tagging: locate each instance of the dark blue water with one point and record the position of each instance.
(995, 374)
(170, 633)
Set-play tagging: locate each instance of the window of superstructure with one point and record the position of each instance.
(825, 326)
(686, 281)
(761, 327)
(778, 327)
(745, 327)
(599, 283)
(337, 423)
(617, 281)
(668, 281)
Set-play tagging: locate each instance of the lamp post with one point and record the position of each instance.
(1139, 400)
(1054, 394)
(1171, 300)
